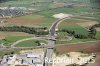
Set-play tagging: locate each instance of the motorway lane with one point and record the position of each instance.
(52, 29)
(51, 41)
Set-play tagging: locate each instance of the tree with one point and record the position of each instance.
(38, 43)
(12, 52)
(92, 32)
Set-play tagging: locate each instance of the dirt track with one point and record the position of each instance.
(84, 47)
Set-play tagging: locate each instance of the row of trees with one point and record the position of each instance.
(73, 33)
(91, 33)
(30, 30)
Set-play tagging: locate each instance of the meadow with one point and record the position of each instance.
(44, 18)
(11, 39)
(71, 24)
(30, 43)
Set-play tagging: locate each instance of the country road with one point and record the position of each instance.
(37, 38)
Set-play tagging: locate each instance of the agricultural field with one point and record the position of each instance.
(11, 39)
(3, 35)
(8, 38)
(30, 43)
(56, 26)
(80, 26)
(44, 18)
(76, 10)
(8, 51)
(30, 21)
(89, 47)
(17, 3)
(76, 28)
(25, 20)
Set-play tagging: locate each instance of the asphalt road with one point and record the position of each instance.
(52, 29)
(37, 38)
(51, 42)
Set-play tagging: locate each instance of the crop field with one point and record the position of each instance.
(76, 28)
(29, 43)
(8, 51)
(30, 21)
(8, 38)
(79, 26)
(47, 22)
(11, 39)
(80, 16)
(41, 21)
(17, 3)
(32, 16)
(76, 10)
(3, 35)
(90, 47)
(24, 20)
(98, 35)
(44, 18)
(84, 47)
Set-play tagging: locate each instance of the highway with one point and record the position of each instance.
(51, 41)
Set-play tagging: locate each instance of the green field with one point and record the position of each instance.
(17, 3)
(76, 10)
(11, 39)
(32, 16)
(47, 22)
(78, 29)
(47, 11)
(33, 21)
(98, 35)
(29, 43)
(8, 51)
(74, 40)
(70, 24)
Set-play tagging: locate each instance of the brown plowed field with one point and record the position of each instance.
(24, 20)
(90, 47)
(6, 34)
(84, 47)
